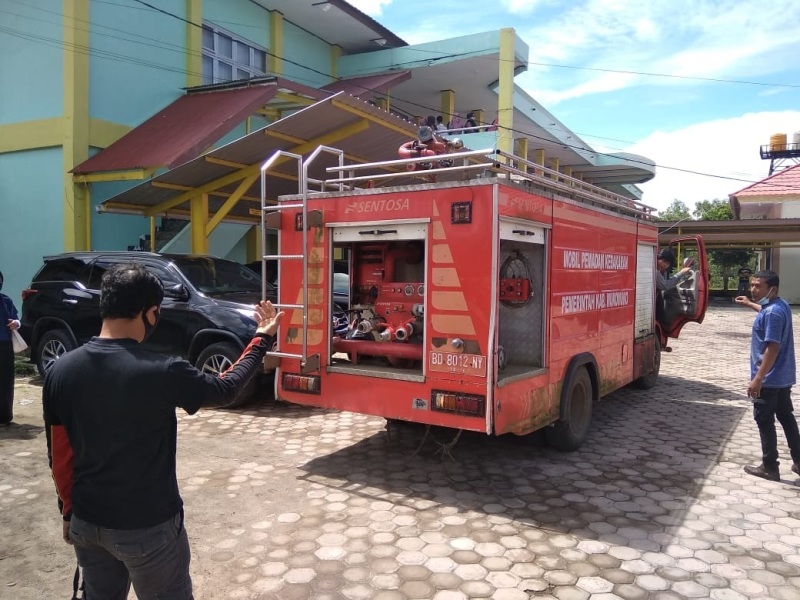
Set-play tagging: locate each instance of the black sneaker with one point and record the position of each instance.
(764, 473)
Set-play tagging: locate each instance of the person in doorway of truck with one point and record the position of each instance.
(109, 414)
(668, 302)
(772, 373)
(744, 280)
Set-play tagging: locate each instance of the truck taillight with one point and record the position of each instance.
(307, 384)
(28, 292)
(456, 402)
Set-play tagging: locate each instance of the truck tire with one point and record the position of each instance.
(50, 347)
(645, 382)
(568, 434)
(216, 359)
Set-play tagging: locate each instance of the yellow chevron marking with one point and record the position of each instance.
(441, 254)
(316, 256)
(445, 277)
(453, 324)
(448, 300)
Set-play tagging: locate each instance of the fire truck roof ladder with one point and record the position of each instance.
(271, 218)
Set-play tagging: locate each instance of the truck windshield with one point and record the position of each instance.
(218, 276)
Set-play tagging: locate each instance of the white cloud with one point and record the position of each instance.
(373, 8)
(521, 7)
(725, 148)
(686, 38)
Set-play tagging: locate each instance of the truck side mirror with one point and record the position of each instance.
(176, 291)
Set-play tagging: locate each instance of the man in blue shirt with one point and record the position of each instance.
(772, 373)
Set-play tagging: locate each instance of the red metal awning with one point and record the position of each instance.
(187, 127)
(369, 84)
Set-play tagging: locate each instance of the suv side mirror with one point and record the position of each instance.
(176, 291)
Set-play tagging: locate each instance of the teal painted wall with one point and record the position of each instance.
(310, 56)
(32, 223)
(138, 61)
(34, 60)
(420, 55)
(240, 17)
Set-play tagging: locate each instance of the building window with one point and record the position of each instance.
(227, 57)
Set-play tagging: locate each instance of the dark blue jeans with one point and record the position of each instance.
(776, 402)
(155, 559)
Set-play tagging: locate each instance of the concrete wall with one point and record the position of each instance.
(31, 223)
(310, 56)
(138, 62)
(31, 69)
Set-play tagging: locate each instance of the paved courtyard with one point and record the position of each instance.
(287, 502)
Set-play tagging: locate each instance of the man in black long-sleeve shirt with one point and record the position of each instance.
(109, 411)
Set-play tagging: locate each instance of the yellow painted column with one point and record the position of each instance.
(274, 62)
(194, 43)
(448, 105)
(336, 52)
(252, 240)
(554, 166)
(199, 217)
(383, 104)
(75, 133)
(538, 158)
(522, 152)
(505, 92)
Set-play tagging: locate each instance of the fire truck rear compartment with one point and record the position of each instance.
(520, 347)
(385, 314)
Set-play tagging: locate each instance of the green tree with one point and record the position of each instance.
(677, 211)
(726, 262)
(713, 210)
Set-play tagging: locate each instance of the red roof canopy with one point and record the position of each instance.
(187, 127)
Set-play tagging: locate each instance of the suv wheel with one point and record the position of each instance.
(53, 345)
(218, 358)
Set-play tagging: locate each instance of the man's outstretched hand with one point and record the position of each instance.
(267, 317)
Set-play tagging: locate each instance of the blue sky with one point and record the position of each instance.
(696, 85)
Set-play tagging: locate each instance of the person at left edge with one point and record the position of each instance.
(9, 321)
(109, 412)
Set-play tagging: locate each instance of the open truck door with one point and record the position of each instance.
(688, 302)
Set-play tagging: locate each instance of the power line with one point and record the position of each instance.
(441, 56)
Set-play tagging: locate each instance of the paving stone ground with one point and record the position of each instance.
(287, 502)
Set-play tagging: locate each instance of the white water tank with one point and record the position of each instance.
(796, 140)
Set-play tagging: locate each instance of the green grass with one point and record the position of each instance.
(22, 366)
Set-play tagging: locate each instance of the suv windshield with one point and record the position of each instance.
(217, 276)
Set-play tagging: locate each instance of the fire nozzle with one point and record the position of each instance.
(366, 325)
(404, 331)
(387, 334)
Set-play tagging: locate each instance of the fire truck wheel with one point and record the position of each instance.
(569, 434)
(218, 358)
(645, 382)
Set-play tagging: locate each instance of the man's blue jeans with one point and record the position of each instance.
(155, 559)
(772, 403)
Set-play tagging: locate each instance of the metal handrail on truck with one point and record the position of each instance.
(499, 162)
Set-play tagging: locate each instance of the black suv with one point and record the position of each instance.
(206, 316)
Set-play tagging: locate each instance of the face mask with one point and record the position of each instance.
(148, 328)
(763, 301)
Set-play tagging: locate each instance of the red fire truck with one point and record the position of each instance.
(483, 292)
